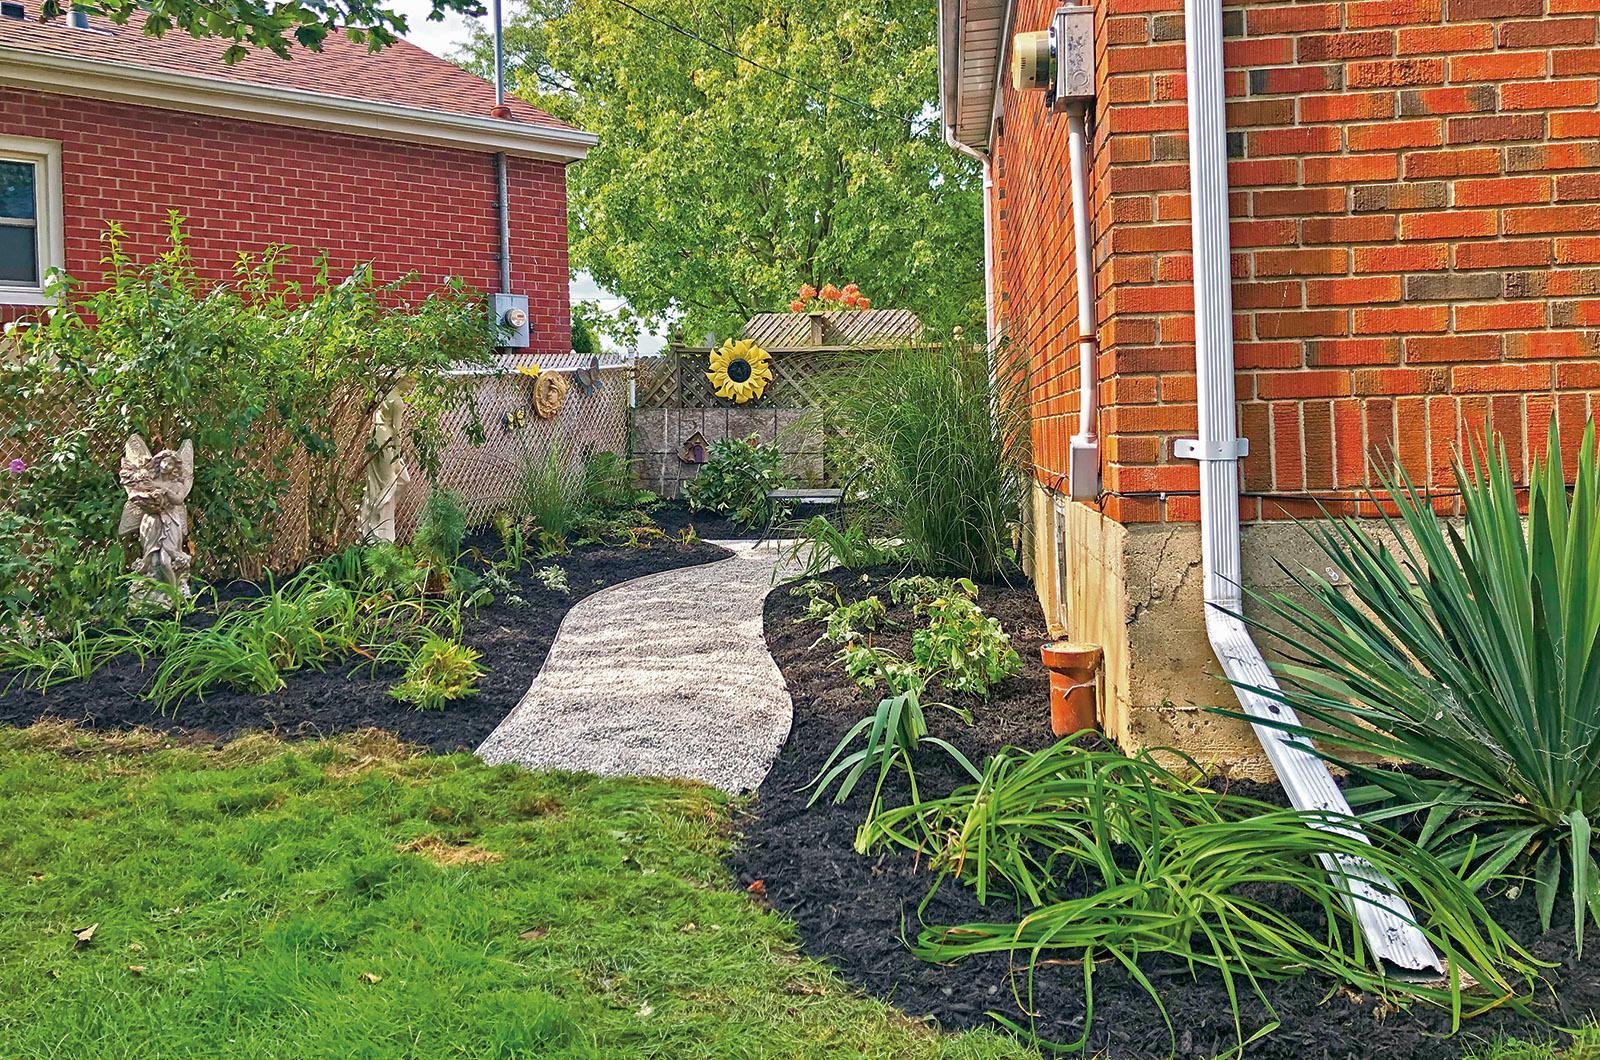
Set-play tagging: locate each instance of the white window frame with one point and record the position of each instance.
(45, 156)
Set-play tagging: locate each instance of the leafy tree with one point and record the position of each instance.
(276, 25)
(721, 184)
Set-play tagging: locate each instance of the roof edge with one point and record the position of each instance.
(196, 94)
(953, 56)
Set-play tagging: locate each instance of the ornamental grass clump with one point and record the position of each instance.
(945, 448)
(1107, 858)
(1471, 652)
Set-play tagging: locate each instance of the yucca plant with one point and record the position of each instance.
(1472, 653)
(1112, 858)
(946, 448)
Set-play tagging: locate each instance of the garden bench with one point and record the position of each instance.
(803, 503)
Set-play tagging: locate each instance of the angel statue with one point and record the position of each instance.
(157, 487)
(386, 468)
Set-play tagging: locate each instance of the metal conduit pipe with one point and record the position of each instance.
(1083, 480)
(502, 190)
(1384, 916)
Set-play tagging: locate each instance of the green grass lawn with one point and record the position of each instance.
(347, 899)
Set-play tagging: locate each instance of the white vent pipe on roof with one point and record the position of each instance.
(1385, 918)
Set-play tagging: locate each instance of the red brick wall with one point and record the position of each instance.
(1416, 233)
(244, 185)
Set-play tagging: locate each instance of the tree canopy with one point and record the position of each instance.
(748, 147)
(276, 25)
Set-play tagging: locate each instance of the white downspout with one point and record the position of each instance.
(991, 312)
(1083, 478)
(1385, 918)
(948, 57)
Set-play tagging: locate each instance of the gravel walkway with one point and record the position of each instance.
(667, 675)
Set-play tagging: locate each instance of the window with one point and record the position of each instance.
(30, 218)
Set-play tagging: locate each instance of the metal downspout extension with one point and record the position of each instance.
(1083, 480)
(1383, 914)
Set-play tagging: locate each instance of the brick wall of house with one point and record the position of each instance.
(243, 185)
(1416, 233)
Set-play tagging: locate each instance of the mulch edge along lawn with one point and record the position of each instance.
(513, 641)
(856, 911)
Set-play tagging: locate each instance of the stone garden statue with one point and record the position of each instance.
(158, 486)
(386, 468)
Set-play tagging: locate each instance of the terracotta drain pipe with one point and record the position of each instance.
(1383, 914)
(1074, 686)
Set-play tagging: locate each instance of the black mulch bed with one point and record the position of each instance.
(674, 517)
(347, 696)
(857, 911)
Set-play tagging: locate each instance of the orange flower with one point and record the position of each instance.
(830, 292)
(851, 288)
(797, 306)
(807, 292)
(863, 303)
(851, 298)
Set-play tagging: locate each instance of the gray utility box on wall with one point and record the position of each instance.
(510, 315)
(1058, 61)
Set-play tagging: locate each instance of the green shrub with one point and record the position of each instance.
(1118, 860)
(734, 480)
(852, 622)
(921, 591)
(261, 373)
(442, 671)
(966, 648)
(1473, 653)
(441, 528)
(869, 667)
(946, 455)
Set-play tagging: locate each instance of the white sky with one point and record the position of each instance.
(442, 39)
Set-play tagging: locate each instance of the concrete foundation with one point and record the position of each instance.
(1137, 592)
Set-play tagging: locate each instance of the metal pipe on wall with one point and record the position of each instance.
(1383, 914)
(502, 183)
(1084, 467)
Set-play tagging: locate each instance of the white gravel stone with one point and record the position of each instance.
(666, 675)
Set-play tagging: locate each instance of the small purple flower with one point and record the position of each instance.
(17, 466)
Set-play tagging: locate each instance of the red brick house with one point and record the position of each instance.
(1396, 205)
(387, 158)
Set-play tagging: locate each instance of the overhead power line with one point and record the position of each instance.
(675, 28)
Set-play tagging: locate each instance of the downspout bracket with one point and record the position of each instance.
(1223, 449)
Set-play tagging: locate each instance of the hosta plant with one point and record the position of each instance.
(967, 648)
(852, 622)
(1473, 653)
(869, 667)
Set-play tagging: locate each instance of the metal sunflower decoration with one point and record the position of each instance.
(740, 370)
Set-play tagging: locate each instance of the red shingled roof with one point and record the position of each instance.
(402, 74)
